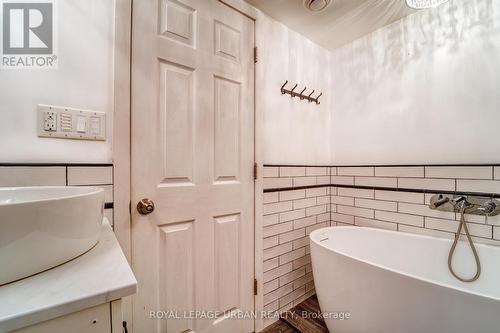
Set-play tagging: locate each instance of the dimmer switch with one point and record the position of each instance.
(71, 123)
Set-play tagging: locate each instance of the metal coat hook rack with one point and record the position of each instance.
(301, 95)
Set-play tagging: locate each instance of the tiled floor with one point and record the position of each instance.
(294, 321)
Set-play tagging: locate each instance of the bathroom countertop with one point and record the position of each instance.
(99, 276)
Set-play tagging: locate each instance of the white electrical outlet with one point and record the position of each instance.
(50, 121)
(71, 123)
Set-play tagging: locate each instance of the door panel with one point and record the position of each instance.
(227, 262)
(227, 130)
(192, 154)
(227, 42)
(177, 127)
(176, 290)
(178, 21)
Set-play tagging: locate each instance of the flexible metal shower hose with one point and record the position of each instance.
(473, 248)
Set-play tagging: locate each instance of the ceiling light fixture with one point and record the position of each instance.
(316, 5)
(422, 4)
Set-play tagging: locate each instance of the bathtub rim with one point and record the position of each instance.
(314, 238)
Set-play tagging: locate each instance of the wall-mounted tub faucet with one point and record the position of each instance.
(474, 205)
(465, 205)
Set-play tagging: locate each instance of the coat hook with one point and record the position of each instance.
(309, 98)
(317, 98)
(302, 96)
(283, 87)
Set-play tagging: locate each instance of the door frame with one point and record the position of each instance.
(121, 135)
(122, 87)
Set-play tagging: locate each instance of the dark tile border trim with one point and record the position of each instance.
(384, 165)
(298, 165)
(278, 189)
(393, 189)
(55, 164)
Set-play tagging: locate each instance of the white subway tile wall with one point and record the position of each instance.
(377, 197)
(408, 172)
(427, 184)
(376, 181)
(15, 176)
(461, 172)
(289, 217)
(90, 175)
(487, 186)
(61, 175)
(407, 211)
(342, 180)
(355, 171)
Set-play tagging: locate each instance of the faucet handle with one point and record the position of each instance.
(459, 199)
(441, 201)
(488, 207)
(461, 202)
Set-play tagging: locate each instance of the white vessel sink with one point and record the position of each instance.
(42, 227)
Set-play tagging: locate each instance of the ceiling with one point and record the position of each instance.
(343, 21)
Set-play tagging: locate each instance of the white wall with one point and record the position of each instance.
(84, 79)
(294, 131)
(422, 90)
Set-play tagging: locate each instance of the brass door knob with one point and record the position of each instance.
(145, 206)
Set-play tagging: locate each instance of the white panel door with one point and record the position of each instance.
(192, 154)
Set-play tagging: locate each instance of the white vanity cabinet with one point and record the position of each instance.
(105, 318)
(82, 296)
(93, 320)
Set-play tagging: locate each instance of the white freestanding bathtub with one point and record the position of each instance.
(393, 282)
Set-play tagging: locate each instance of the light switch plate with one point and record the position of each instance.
(70, 123)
